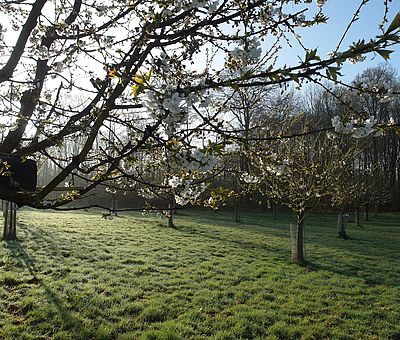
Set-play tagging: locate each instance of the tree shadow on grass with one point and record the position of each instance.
(19, 253)
(37, 235)
(236, 243)
(264, 226)
(343, 257)
(371, 276)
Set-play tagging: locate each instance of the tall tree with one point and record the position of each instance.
(382, 155)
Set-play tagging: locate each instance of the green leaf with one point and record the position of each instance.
(136, 89)
(332, 73)
(395, 24)
(359, 45)
(312, 55)
(385, 54)
(138, 79)
(320, 18)
(148, 75)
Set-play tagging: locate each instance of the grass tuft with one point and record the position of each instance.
(9, 280)
(160, 335)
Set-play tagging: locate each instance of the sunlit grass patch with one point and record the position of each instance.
(78, 276)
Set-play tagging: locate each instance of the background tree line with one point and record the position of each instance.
(371, 179)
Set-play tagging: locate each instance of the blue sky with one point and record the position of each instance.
(340, 12)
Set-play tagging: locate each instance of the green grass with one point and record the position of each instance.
(77, 276)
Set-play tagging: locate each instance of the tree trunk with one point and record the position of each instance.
(341, 226)
(357, 216)
(274, 211)
(10, 221)
(238, 208)
(366, 215)
(114, 205)
(298, 239)
(170, 216)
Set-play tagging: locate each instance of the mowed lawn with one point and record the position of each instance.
(78, 276)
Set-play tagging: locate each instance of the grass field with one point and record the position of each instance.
(77, 276)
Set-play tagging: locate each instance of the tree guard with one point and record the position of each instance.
(10, 221)
(341, 225)
(297, 240)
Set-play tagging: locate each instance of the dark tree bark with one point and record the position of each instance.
(366, 211)
(114, 204)
(238, 208)
(8, 69)
(170, 216)
(357, 216)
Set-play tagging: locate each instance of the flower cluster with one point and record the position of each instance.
(146, 193)
(184, 5)
(111, 190)
(277, 170)
(356, 128)
(185, 191)
(168, 9)
(197, 160)
(2, 31)
(249, 179)
(173, 103)
(170, 107)
(186, 186)
(249, 52)
(189, 193)
(358, 58)
(175, 181)
(381, 91)
(43, 52)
